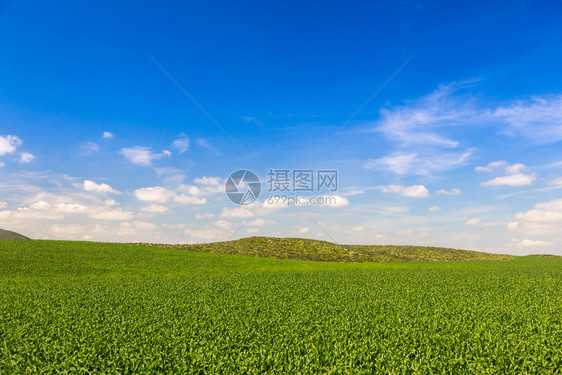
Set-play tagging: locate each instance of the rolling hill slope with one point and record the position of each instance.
(9, 235)
(305, 249)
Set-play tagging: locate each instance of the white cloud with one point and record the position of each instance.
(492, 166)
(52, 207)
(514, 176)
(518, 179)
(141, 155)
(136, 228)
(40, 205)
(206, 234)
(208, 186)
(449, 192)
(236, 212)
(9, 144)
(258, 222)
(3, 204)
(253, 230)
(116, 214)
(26, 157)
(157, 194)
(110, 202)
(190, 189)
(144, 225)
(533, 243)
(181, 143)
(26, 214)
(99, 188)
(425, 162)
(183, 194)
(334, 201)
(414, 191)
(543, 218)
(108, 135)
(537, 118)
(204, 216)
(358, 228)
(67, 230)
(155, 209)
(188, 199)
(515, 168)
(303, 230)
(434, 209)
(209, 181)
(71, 208)
(474, 221)
(223, 224)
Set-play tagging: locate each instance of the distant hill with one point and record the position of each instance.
(305, 249)
(9, 235)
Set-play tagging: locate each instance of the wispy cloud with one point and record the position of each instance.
(420, 163)
(417, 133)
(418, 124)
(206, 145)
(181, 143)
(538, 118)
(88, 148)
(492, 166)
(253, 120)
(449, 192)
(420, 131)
(141, 155)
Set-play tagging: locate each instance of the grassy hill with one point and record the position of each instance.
(9, 235)
(305, 249)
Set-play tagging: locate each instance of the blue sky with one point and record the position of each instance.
(459, 146)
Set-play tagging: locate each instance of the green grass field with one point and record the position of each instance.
(76, 307)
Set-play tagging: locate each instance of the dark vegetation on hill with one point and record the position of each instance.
(9, 235)
(305, 249)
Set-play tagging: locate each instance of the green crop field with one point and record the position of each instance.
(77, 307)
